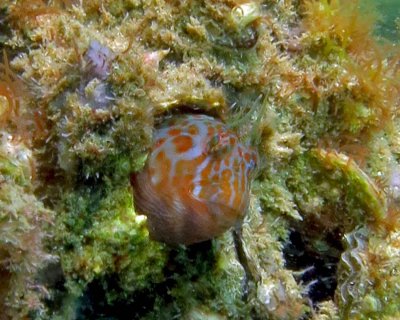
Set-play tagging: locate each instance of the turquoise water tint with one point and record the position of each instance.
(389, 22)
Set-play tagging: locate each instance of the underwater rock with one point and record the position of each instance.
(326, 123)
(196, 181)
(24, 223)
(368, 276)
(97, 94)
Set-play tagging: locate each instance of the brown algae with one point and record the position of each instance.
(84, 84)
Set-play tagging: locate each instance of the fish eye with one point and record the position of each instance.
(251, 165)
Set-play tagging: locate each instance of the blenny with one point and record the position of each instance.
(196, 182)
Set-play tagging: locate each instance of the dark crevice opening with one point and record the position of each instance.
(314, 264)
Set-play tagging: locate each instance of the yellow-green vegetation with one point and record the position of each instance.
(83, 84)
(115, 238)
(24, 224)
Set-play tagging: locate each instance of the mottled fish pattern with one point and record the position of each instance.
(196, 182)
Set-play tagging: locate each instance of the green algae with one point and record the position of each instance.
(305, 82)
(101, 233)
(359, 185)
(24, 223)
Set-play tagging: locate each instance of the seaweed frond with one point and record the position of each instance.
(25, 124)
(28, 11)
(342, 21)
(366, 91)
(11, 89)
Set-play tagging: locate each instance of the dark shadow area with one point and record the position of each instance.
(104, 298)
(316, 268)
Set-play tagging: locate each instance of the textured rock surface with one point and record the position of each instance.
(83, 85)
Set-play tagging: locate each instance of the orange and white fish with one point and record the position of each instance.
(196, 182)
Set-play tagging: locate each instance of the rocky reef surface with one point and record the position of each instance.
(309, 84)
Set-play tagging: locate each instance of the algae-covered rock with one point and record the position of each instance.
(365, 291)
(24, 223)
(100, 234)
(309, 84)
